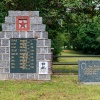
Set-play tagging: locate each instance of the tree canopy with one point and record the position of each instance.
(74, 23)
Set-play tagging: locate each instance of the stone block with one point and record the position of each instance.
(41, 27)
(2, 49)
(3, 64)
(6, 70)
(49, 50)
(40, 43)
(49, 70)
(30, 34)
(10, 76)
(31, 13)
(38, 50)
(11, 13)
(16, 34)
(47, 56)
(5, 57)
(1, 35)
(45, 35)
(48, 42)
(8, 63)
(35, 13)
(8, 20)
(32, 20)
(37, 64)
(8, 34)
(7, 50)
(23, 76)
(1, 70)
(42, 77)
(11, 27)
(16, 76)
(38, 20)
(49, 64)
(22, 34)
(24, 13)
(43, 50)
(18, 13)
(37, 34)
(13, 20)
(3, 76)
(31, 76)
(5, 27)
(5, 42)
(34, 27)
(48, 77)
(40, 57)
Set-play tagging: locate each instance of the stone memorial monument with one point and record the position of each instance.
(89, 71)
(25, 50)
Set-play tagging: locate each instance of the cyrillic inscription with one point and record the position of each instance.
(22, 55)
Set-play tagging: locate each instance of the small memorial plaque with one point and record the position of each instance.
(22, 55)
(43, 67)
(22, 23)
(89, 71)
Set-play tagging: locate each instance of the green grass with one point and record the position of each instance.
(61, 87)
(65, 69)
(75, 59)
(70, 69)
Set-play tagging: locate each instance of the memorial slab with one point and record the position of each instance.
(89, 71)
(25, 49)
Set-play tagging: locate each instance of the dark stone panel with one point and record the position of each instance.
(89, 71)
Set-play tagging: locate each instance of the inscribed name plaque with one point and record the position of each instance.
(89, 71)
(22, 55)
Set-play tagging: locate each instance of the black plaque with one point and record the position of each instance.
(89, 71)
(22, 55)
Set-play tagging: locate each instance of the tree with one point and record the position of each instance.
(76, 20)
(82, 25)
(52, 13)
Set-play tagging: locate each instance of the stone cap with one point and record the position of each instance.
(23, 13)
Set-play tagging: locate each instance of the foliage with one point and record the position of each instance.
(76, 21)
(52, 13)
(83, 25)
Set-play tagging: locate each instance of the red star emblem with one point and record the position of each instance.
(22, 23)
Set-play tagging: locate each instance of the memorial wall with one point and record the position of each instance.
(25, 50)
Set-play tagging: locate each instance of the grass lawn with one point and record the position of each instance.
(75, 59)
(70, 69)
(61, 87)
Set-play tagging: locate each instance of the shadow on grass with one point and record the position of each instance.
(65, 70)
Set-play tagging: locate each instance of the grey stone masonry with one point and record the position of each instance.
(23, 13)
(36, 30)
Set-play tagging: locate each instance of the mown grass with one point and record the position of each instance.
(65, 69)
(75, 59)
(61, 87)
(70, 69)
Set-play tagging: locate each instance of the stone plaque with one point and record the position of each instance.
(89, 71)
(43, 67)
(22, 23)
(22, 55)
